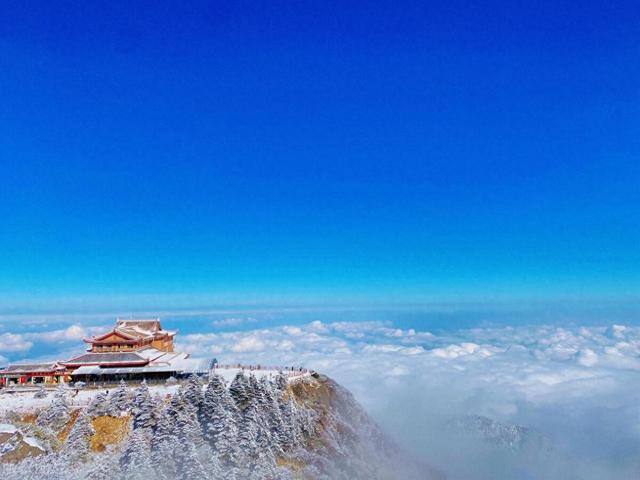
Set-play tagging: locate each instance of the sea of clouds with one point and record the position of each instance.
(579, 387)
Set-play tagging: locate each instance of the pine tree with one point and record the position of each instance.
(144, 408)
(189, 465)
(290, 435)
(306, 422)
(135, 460)
(212, 465)
(77, 444)
(219, 416)
(57, 414)
(239, 390)
(216, 385)
(119, 400)
(41, 392)
(281, 382)
(165, 442)
(192, 392)
(189, 437)
(254, 442)
(103, 467)
(262, 392)
(253, 388)
(99, 406)
(247, 437)
(269, 399)
(187, 422)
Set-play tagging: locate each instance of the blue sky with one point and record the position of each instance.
(334, 153)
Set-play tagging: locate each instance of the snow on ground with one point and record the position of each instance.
(7, 428)
(33, 442)
(229, 373)
(24, 401)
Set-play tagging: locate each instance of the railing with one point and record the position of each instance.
(288, 371)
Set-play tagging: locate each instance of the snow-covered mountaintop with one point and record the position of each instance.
(239, 426)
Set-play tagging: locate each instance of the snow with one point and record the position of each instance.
(24, 401)
(7, 428)
(229, 373)
(188, 436)
(32, 442)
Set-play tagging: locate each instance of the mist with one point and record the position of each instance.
(576, 387)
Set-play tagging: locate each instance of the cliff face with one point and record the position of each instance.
(348, 443)
(251, 429)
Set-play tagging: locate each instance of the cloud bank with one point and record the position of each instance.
(579, 387)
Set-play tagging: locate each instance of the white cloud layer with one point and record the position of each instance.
(25, 343)
(13, 342)
(578, 386)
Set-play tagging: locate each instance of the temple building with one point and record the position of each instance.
(135, 349)
(131, 335)
(33, 373)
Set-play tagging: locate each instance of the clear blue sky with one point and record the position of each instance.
(296, 151)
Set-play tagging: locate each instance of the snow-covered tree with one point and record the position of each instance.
(254, 443)
(235, 434)
(144, 408)
(281, 382)
(239, 390)
(165, 442)
(189, 437)
(99, 406)
(41, 392)
(135, 460)
(192, 392)
(253, 388)
(77, 444)
(187, 422)
(270, 406)
(290, 434)
(103, 466)
(189, 465)
(219, 420)
(119, 400)
(57, 414)
(306, 421)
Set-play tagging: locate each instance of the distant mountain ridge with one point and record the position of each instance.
(499, 434)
